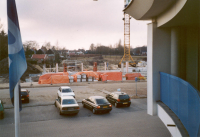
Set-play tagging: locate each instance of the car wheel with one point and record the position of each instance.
(93, 111)
(116, 105)
(28, 101)
(129, 105)
(2, 116)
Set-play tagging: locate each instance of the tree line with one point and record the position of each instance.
(3, 43)
(116, 49)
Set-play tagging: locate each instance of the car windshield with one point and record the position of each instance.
(24, 93)
(66, 90)
(123, 96)
(101, 101)
(68, 101)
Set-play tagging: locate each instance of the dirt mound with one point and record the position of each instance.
(5, 70)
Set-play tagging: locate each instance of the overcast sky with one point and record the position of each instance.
(74, 23)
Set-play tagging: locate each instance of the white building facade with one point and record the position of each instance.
(173, 43)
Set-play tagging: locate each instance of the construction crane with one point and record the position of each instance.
(127, 56)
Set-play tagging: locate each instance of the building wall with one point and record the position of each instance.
(185, 54)
(192, 57)
(173, 50)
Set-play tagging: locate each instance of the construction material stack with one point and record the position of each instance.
(71, 79)
(78, 78)
(83, 77)
(90, 79)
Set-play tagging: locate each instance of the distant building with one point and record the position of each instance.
(40, 51)
(39, 57)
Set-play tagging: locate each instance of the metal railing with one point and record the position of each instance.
(183, 99)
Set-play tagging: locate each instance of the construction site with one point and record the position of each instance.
(99, 68)
(87, 68)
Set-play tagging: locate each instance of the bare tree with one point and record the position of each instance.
(30, 45)
(92, 47)
(47, 45)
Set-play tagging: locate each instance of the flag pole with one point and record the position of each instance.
(16, 107)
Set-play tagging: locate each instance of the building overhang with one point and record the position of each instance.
(147, 9)
(167, 13)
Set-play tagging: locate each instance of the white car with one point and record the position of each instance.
(65, 91)
(67, 105)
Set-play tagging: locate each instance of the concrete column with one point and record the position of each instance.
(175, 51)
(122, 67)
(56, 67)
(75, 65)
(127, 64)
(82, 67)
(44, 69)
(159, 58)
(104, 66)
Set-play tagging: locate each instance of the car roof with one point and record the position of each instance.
(119, 93)
(64, 87)
(67, 97)
(96, 97)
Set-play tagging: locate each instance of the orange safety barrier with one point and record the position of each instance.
(60, 79)
(48, 78)
(115, 76)
(131, 76)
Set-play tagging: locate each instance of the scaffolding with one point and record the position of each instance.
(71, 65)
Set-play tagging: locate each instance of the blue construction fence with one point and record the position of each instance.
(183, 99)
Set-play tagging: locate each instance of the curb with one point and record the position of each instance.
(69, 84)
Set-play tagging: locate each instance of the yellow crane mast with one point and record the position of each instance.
(127, 56)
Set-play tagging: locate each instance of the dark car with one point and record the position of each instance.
(25, 95)
(119, 99)
(1, 110)
(97, 104)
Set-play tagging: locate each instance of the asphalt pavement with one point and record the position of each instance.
(41, 118)
(45, 121)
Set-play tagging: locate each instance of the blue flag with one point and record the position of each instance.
(17, 60)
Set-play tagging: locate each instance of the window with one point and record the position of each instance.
(68, 101)
(67, 90)
(101, 101)
(123, 97)
(24, 93)
(59, 100)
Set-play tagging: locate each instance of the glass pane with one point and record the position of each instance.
(68, 101)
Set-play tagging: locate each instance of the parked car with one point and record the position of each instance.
(65, 91)
(25, 95)
(97, 104)
(67, 105)
(1, 110)
(119, 99)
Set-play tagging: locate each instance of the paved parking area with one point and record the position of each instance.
(41, 118)
(45, 121)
